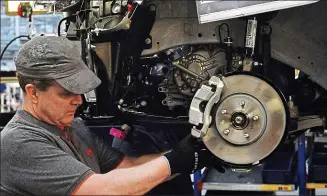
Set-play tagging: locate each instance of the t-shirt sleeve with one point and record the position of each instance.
(109, 158)
(39, 167)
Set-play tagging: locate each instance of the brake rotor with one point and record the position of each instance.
(249, 121)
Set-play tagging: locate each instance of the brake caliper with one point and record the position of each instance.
(201, 105)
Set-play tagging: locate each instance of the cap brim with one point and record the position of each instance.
(81, 82)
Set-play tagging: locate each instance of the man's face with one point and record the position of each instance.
(56, 105)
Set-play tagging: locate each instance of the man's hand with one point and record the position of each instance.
(189, 156)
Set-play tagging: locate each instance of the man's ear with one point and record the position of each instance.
(31, 93)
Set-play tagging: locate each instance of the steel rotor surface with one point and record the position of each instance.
(249, 121)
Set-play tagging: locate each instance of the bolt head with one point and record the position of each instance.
(152, 8)
(121, 101)
(222, 122)
(124, 3)
(226, 132)
(246, 135)
(143, 103)
(92, 47)
(223, 111)
(255, 118)
(116, 8)
(148, 41)
(242, 103)
(238, 119)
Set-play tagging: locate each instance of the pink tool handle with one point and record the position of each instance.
(117, 133)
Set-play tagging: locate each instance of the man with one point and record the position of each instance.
(45, 151)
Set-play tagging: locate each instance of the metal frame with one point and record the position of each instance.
(248, 187)
(301, 165)
(217, 10)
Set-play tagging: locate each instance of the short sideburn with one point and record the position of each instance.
(40, 84)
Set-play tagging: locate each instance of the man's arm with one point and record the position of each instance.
(131, 161)
(128, 162)
(185, 158)
(127, 181)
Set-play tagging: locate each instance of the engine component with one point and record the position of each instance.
(159, 69)
(162, 72)
(173, 98)
(195, 68)
(179, 72)
(248, 123)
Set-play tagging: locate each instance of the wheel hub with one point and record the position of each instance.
(237, 118)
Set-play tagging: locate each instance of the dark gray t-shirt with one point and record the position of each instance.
(40, 159)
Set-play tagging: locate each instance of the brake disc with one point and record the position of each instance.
(248, 122)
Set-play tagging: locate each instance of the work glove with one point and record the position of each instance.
(189, 156)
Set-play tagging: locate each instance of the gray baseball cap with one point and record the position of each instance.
(57, 58)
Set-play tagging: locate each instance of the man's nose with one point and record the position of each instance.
(77, 100)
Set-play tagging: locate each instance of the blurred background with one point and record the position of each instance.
(12, 26)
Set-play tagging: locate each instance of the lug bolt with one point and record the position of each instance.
(242, 103)
(226, 132)
(222, 122)
(255, 118)
(223, 111)
(246, 135)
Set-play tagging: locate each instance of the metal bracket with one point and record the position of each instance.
(204, 94)
(90, 97)
(307, 122)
